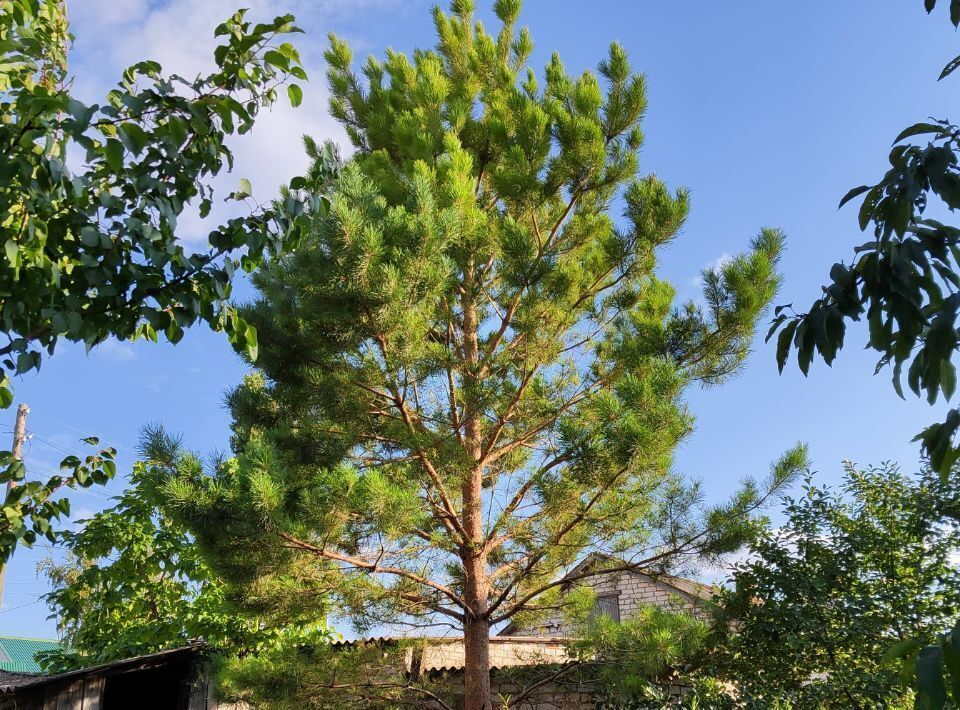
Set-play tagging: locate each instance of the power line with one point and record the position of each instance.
(35, 601)
(51, 472)
(85, 433)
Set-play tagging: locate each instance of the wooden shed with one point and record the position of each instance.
(176, 679)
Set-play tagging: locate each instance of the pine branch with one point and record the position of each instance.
(375, 568)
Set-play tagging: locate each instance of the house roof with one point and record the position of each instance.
(16, 654)
(9, 679)
(434, 654)
(12, 682)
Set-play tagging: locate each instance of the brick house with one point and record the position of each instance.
(541, 648)
(620, 593)
(518, 656)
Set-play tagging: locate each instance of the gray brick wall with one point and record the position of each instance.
(633, 589)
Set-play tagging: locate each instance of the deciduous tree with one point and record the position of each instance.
(90, 199)
(904, 280)
(854, 577)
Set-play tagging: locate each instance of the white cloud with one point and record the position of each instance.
(720, 571)
(715, 265)
(116, 350)
(720, 262)
(106, 13)
(112, 34)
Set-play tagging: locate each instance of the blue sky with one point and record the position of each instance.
(768, 112)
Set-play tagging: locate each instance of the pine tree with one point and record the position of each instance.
(470, 376)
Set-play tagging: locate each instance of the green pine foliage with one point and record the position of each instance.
(134, 582)
(631, 663)
(470, 374)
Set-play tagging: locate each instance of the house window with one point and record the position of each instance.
(609, 605)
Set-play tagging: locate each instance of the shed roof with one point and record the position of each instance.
(14, 682)
(16, 653)
(441, 653)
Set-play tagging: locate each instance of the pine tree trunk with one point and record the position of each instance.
(476, 669)
(476, 631)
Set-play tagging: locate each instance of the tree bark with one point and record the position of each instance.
(476, 629)
(476, 647)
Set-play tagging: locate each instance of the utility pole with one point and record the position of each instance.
(19, 437)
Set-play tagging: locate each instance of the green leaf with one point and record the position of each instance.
(245, 189)
(289, 51)
(951, 661)
(275, 58)
(74, 323)
(853, 193)
(948, 378)
(867, 207)
(901, 649)
(133, 137)
(178, 129)
(252, 347)
(89, 236)
(296, 95)
(16, 471)
(783, 344)
(918, 129)
(930, 685)
(950, 67)
(113, 152)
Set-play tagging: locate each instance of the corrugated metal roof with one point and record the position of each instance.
(10, 680)
(442, 653)
(16, 654)
(8, 685)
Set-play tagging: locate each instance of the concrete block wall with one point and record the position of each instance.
(633, 591)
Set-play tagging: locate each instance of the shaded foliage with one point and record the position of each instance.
(852, 573)
(904, 281)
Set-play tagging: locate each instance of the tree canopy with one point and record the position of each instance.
(134, 582)
(90, 200)
(904, 280)
(469, 373)
(852, 573)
